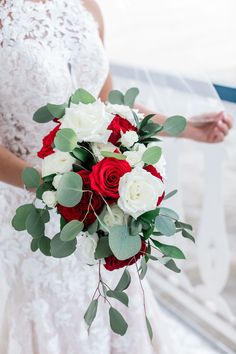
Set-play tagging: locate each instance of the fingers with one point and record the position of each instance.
(223, 127)
(228, 120)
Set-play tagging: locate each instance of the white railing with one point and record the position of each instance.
(199, 294)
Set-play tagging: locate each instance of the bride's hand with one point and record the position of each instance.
(209, 127)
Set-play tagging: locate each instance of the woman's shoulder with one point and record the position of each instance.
(93, 7)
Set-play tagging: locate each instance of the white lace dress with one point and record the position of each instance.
(46, 51)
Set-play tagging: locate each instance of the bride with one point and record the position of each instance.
(45, 47)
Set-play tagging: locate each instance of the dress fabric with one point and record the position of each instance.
(47, 49)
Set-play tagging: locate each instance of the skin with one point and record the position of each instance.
(213, 129)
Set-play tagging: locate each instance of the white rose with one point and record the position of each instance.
(161, 164)
(86, 246)
(98, 147)
(114, 216)
(59, 162)
(139, 191)
(49, 198)
(124, 112)
(56, 181)
(129, 138)
(134, 157)
(89, 121)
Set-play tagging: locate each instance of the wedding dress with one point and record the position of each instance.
(46, 51)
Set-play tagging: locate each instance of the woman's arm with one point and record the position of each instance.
(11, 168)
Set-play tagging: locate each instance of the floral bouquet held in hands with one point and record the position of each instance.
(102, 172)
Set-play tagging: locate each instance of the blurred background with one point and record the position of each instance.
(182, 56)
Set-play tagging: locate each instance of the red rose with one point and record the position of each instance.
(106, 174)
(79, 211)
(118, 125)
(155, 173)
(112, 263)
(47, 143)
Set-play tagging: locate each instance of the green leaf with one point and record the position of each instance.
(144, 268)
(150, 216)
(34, 244)
(65, 140)
(130, 96)
(93, 227)
(135, 227)
(124, 281)
(44, 245)
(69, 192)
(31, 177)
(82, 96)
(186, 234)
(172, 266)
(44, 187)
(44, 213)
(113, 154)
(146, 119)
(61, 249)
(42, 115)
(71, 230)
(149, 328)
(148, 232)
(175, 125)
(19, 220)
(56, 110)
(82, 154)
(91, 312)
(171, 194)
(117, 322)
(169, 212)
(168, 250)
(63, 222)
(136, 118)
(149, 130)
(35, 224)
(152, 155)
(116, 97)
(120, 296)
(103, 249)
(182, 225)
(122, 244)
(49, 178)
(165, 225)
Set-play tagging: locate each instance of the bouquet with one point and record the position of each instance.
(102, 172)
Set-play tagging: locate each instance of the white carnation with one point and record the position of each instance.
(58, 162)
(139, 191)
(89, 121)
(86, 246)
(129, 138)
(124, 112)
(49, 198)
(56, 181)
(134, 157)
(114, 216)
(98, 147)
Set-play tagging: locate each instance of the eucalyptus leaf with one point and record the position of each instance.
(117, 322)
(169, 212)
(91, 312)
(19, 220)
(31, 177)
(82, 96)
(135, 227)
(130, 96)
(44, 187)
(71, 230)
(57, 110)
(168, 250)
(116, 97)
(61, 249)
(44, 213)
(113, 154)
(93, 227)
(34, 246)
(172, 266)
(66, 140)
(165, 225)
(103, 249)
(122, 244)
(118, 295)
(183, 225)
(69, 192)
(35, 224)
(175, 125)
(136, 118)
(44, 245)
(124, 281)
(143, 268)
(171, 194)
(42, 115)
(149, 328)
(186, 234)
(152, 155)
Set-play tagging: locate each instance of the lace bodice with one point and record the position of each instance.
(47, 49)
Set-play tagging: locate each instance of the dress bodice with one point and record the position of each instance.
(47, 49)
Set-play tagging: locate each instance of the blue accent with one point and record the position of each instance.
(226, 93)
